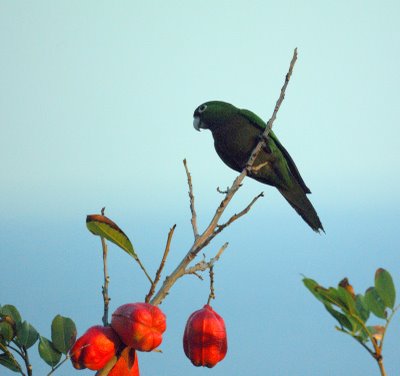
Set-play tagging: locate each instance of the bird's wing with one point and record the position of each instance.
(260, 124)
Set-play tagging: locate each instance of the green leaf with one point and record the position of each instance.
(102, 226)
(374, 303)
(331, 295)
(63, 333)
(312, 287)
(385, 287)
(340, 317)
(10, 311)
(362, 308)
(9, 363)
(6, 331)
(48, 352)
(27, 334)
(347, 299)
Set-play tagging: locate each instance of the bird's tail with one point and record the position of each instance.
(299, 202)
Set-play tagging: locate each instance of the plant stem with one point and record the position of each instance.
(161, 267)
(58, 365)
(212, 291)
(381, 367)
(106, 298)
(28, 365)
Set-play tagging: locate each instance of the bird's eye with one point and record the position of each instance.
(202, 108)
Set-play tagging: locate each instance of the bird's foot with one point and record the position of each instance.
(254, 169)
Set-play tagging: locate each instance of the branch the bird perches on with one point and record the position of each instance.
(213, 229)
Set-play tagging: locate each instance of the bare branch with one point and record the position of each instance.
(106, 298)
(212, 290)
(203, 265)
(213, 229)
(161, 267)
(276, 109)
(237, 216)
(191, 197)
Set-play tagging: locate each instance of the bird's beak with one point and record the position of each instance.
(197, 123)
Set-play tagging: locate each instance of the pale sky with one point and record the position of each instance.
(97, 100)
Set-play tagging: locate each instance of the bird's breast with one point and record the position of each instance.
(234, 142)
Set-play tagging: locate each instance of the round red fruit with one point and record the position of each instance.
(204, 339)
(139, 325)
(95, 348)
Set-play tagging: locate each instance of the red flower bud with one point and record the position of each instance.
(139, 325)
(204, 340)
(127, 364)
(95, 348)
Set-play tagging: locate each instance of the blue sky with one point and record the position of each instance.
(96, 110)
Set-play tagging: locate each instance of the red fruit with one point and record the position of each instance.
(204, 339)
(95, 348)
(139, 325)
(127, 364)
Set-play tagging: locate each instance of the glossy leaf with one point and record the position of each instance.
(385, 287)
(340, 317)
(102, 226)
(362, 308)
(312, 287)
(26, 334)
(6, 332)
(347, 299)
(330, 295)
(374, 303)
(11, 311)
(63, 333)
(7, 362)
(48, 352)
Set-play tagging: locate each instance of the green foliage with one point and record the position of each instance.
(63, 333)
(9, 310)
(6, 332)
(48, 352)
(8, 362)
(375, 303)
(26, 335)
(385, 287)
(102, 226)
(352, 311)
(17, 336)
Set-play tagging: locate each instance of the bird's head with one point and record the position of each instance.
(210, 115)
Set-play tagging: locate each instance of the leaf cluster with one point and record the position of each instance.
(18, 335)
(352, 311)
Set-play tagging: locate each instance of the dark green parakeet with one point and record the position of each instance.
(236, 132)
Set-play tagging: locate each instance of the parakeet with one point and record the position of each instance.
(236, 132)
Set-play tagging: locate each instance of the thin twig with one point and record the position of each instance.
(28, 364)
(204, 239)
(203, 265)
(161, 267)
(106, 298)
(191, 197)
(58, 365)
(388, 320)
(212, 291)
(237, 216)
